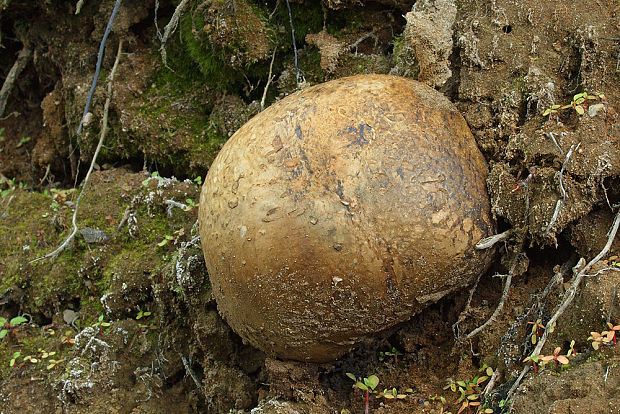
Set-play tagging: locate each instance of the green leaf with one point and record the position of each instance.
(462, 384)
(353, 377)
(18, 320)
(361, 386)
(3, 333)
(2, 321)
(579, 109)
(372, 381)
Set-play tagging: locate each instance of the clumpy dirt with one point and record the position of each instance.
(123, 320)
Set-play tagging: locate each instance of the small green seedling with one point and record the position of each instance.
(142, 314)
(100, 324)
(198, 180)
(439, 398)
(611, 333)
(605, 337)
(535, 359)
(154, 174)
(174, 239)
(7, 326)
(470, 390)
(31, 359)
(367, 384)
(167, 238)
(190, 204)
(579, 103)
(53, 363)
(393, 353)
(22, 141)
(391, 394)
(538, 330)
(559, 359)
(67, 339)
(14, 359)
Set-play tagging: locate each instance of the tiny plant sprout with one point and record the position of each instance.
(610, 335)
(367, 384)
(597, 339)
(14, 359)
(537, 330)
(579, 103)
(190, 204)
(393, 353)
(5, 326)
(100, 324)
(391, 394)
(535, 359)
(154, 174)
(53, 363)
(167, 238)
(142, 314)
(560, 359)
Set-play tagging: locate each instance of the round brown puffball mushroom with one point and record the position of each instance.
(340, 211)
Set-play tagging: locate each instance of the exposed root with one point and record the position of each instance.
(170, 28)
(269, 79)
(191, 373)
(98, 67)
(499, 307)
(490, 241)
(580, 271)
(560, 203)
(22, 60)
(104, 130)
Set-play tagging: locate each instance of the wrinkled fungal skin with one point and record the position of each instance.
(340, 211)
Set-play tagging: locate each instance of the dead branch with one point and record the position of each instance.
(568, 297)
(104, 130)
(22, 60)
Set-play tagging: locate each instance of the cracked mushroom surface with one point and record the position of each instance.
(340, 211)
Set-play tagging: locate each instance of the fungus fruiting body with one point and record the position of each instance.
(340, 211)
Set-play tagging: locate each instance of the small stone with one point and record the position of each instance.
(93, 236)
(69, 316)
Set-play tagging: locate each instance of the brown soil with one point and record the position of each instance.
(502, 63)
